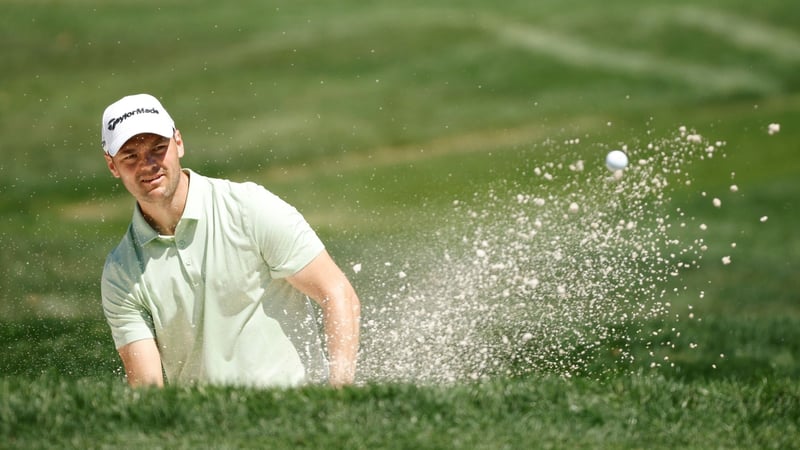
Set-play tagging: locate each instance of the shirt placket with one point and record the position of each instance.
(191, 266)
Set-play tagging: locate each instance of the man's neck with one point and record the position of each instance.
(164, 216)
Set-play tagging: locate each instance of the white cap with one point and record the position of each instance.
(132, 115)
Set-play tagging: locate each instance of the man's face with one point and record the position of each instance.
(149, 166)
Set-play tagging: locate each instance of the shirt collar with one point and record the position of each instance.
(194, 199)
(143, 233)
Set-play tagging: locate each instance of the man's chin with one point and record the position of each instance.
(154, 195)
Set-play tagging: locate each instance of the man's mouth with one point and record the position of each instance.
(152, 179)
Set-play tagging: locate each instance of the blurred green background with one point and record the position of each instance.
(372, 116)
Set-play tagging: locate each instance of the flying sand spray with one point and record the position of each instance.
(539, 278)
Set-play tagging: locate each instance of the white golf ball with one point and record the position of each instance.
(616, 160)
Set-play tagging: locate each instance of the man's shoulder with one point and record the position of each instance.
(241, 191)
(122, 255)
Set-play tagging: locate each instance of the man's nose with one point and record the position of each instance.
(150, 158)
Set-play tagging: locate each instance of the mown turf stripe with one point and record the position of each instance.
(737, 30)
(573, 51)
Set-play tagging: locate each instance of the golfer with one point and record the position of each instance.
(210, 283)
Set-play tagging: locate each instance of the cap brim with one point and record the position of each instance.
(166, 130)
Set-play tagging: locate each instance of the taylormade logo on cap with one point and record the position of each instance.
(115, 121)
(132, 115)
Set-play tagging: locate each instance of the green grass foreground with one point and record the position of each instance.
(372, 118)
(630, 412)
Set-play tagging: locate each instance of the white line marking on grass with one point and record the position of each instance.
(738, 30)
(578, 53)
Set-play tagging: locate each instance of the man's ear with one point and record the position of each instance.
(111, 166)
(179, 142)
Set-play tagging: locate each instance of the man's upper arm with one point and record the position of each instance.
(132, 331)
(128, 319)
(142, 363)
(321, 279)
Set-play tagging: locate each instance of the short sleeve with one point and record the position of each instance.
(285, 239)
(129, 320)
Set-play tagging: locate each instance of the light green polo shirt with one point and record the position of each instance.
(214, 295)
